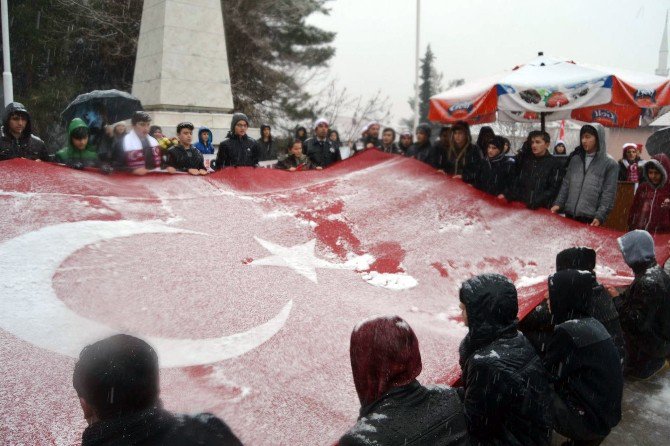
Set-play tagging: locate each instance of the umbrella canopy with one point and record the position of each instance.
(102, 106)
(659, 142)
(555, 89)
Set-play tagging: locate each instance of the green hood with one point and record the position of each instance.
(69, 153)
(76, 123)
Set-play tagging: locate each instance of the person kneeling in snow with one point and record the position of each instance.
(506, 395)
(116, 380)
(651, 206)
(395, 408)
(644, 307)
(296, 160)
(184, 157)
(584, 363)
(78, 153)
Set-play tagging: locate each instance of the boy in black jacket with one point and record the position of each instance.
(184, 157)
(583, 361)
(496, 171)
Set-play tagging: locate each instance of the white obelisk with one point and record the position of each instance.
(181, 67)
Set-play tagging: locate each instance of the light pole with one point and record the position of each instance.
(416, 67)
(8, 89)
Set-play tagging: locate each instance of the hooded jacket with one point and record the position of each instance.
(644, 308)
(25, 146)
(581, 357)
(506, 391)
(204, 148)
(396, 409)
(268, 148)
(72, 156)
(651, 206)
(589, 193)
(461, 161)
(537, 181)
(156, 426)
(495, 175)
(235, 150)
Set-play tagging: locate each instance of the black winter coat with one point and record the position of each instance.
(268, 150)
(506, 390)
(183, 160)
(584, 364)
(411, 415)
(537, 181)
(235, 151)
(454, 162)
(495, 175)
(322, 154)
(27, 145)
(421, 152)
(157, 427)
(644, 311)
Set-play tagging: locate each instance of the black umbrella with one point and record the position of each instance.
(659, 142)
(110, 105)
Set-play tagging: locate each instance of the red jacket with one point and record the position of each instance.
(651, 206)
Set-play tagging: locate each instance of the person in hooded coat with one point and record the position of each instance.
(583, 361)
(630, 164)
(496, 171)
(421, 149)
(116, 380)
(78, 153)
(588, 190)
(506, 395)
(405, 141)
(651, 206)
(485, 135)
(267, 144)
(644, 307)
(463, 157)
(538, 325)
(17, 139)
(204, 144)
(395, 408)
(238, 149)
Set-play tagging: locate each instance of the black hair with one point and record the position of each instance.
(389, 129)
(184, 125)
(117, 375)
(445, 129)
(155, 128)
(539, 134)
(140, 116)
(79, 133)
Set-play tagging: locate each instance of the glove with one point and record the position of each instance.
(78, 165)
(106, 169)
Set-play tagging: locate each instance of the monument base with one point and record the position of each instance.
(218, 123)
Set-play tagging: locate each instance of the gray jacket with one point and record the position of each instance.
(591, 192)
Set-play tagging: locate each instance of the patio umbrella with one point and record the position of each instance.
(553, 89)
(659, 142)
(108, 105)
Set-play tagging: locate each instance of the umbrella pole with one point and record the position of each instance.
(542, 115)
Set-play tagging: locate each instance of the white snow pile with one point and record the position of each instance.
(391, 281)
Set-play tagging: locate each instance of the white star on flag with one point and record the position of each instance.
(300, 258)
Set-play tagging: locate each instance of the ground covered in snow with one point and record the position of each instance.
(249, 282)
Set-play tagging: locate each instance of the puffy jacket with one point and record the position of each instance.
(651, 206)
(495, 175)
(182, 159)
(204, 148)
(537, 181)
(72, 156)
(156, 426)
(411, 414)
(644, 308)
(25, 146)
(581, 357)
(322, 154)
(506, 390)
(589, 193)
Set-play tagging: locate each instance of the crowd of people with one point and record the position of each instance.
(561, 370)
(581, 184)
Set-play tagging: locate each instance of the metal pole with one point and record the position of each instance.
(8, 89)
(416, 72)
(542, 119)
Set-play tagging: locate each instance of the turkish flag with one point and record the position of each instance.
(249, 282)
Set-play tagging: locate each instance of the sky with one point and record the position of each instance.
(375, 43)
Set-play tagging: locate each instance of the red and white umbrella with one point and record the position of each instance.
(555, 89)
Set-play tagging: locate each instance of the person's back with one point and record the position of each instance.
(412, 414)
(506, 392)
(116, 380)
(644, 307)
(583, 361)
(395, 408)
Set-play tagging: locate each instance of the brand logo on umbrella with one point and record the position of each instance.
(461, 109)
(607, 116)
(645, 96)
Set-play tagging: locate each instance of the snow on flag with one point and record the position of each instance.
(248, 283)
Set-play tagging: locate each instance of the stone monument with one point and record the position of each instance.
(181, 67)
